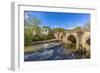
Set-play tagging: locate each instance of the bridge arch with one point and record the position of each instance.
(87, 43)
(66, 38)
(71, 41)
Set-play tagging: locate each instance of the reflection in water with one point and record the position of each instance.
(49, 53)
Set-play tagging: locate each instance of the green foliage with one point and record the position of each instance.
(30, 25)
(37, 37)
(28, 35)
(50, 36)
(46, 27)
(36, 21)
(41, 37)
(59, 30)
(37, 29)
(77, 28)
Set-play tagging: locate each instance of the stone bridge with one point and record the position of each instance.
(81, 37)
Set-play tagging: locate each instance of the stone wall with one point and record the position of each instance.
(64, 38)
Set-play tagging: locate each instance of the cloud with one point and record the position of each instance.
(26, 16)
(79, 24)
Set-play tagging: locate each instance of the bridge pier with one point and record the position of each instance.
(79, 36)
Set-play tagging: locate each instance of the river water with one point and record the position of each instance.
(57, 52)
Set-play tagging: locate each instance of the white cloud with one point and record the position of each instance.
(79, 24)
(26, 16)
(71, 28)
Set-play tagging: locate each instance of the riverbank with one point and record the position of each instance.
(36, 47)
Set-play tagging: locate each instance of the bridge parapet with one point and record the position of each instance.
(82, 40)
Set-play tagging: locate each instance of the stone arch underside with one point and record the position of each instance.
(71, 40)
(87, 43)
(65, 38)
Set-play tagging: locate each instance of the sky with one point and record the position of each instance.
(59, 19)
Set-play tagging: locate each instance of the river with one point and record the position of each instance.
(53, 51)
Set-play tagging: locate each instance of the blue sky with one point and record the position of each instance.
(59, 19)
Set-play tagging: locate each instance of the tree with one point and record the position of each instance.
(77, 28)
(46, 27)
(59, 30)
(28, 35)
(35, 22)
(31, 26)
(49, 34)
